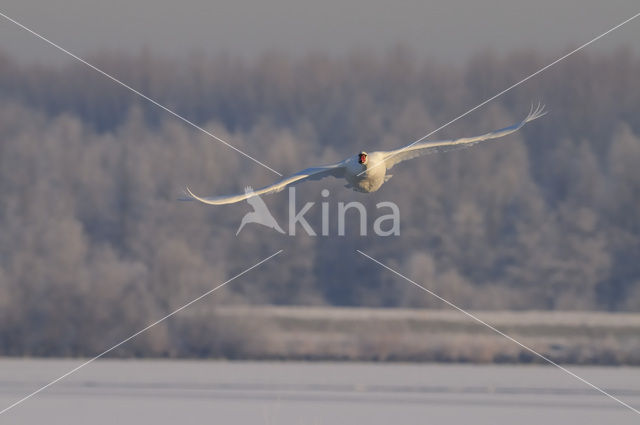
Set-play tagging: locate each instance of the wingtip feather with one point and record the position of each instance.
(536, 112)
(186, 195)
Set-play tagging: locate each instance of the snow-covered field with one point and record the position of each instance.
(214, 392)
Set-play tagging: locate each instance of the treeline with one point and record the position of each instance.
(94, 245)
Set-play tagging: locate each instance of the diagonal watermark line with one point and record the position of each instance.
(560, 59)
(482, 322)
(175, 114)
(25, 398)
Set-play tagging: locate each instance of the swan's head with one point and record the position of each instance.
(362, 157)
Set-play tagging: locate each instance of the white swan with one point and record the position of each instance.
(367, 172)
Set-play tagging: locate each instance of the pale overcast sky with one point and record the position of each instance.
(446, 30)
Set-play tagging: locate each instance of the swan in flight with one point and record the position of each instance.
(366, 172)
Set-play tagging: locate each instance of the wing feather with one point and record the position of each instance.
(417, 149)
(313, 173)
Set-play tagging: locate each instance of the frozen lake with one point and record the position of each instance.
(214, 392)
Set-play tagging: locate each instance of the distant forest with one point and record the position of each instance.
(94, 244)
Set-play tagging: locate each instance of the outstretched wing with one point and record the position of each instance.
(314, 173)
(417, 149)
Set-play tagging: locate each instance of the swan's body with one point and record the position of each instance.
(367, 177)
(367, 172)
